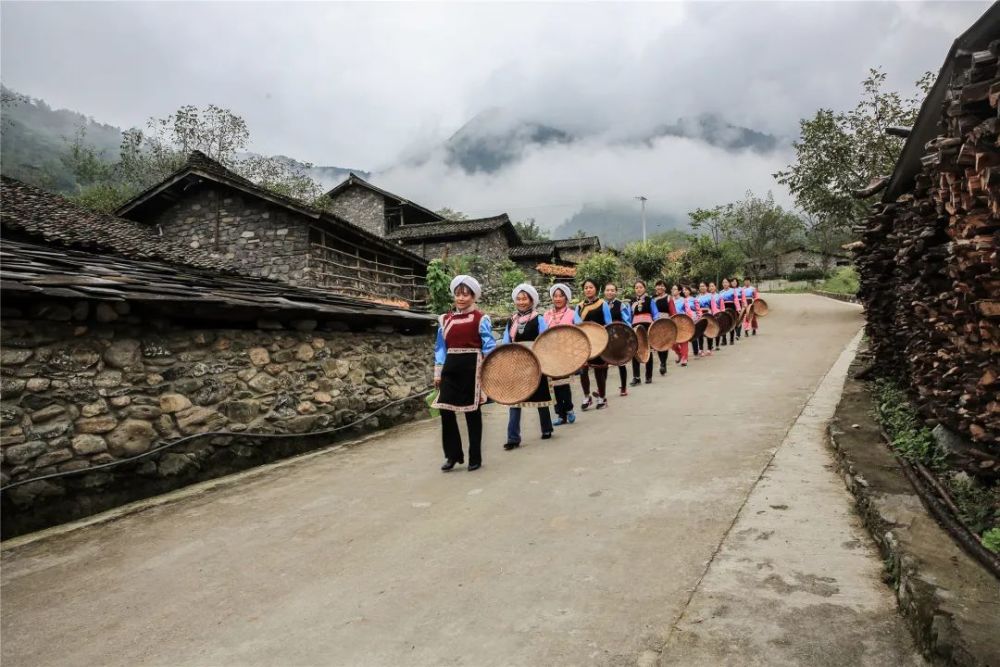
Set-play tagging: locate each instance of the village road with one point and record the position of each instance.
(585, 549)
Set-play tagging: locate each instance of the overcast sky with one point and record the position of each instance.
(359, 85)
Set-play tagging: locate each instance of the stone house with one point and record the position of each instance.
(207, 207)
(575, 250)
(375, 210)
(489, 239)
(798, 259)
(529, 256)
(117, 341)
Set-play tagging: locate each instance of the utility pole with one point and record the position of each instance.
(642, 201)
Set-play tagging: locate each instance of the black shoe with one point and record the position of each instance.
(511, 445)
(663, 369)
(475, 466)
(546, 436)
(754, 333)
(649, 380)
(448, 465)
(635, 382)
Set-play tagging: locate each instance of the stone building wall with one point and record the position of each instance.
(85, 385)
(490, 251)
(263, 240)
(362, 207)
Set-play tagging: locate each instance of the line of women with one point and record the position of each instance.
(465, 338)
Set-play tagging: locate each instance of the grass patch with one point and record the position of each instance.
(844, 281)
(978, 504)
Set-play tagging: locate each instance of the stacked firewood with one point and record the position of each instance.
(930, 273)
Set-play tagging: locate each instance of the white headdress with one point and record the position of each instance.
(562, 287)
(527, 289)
(469, 282)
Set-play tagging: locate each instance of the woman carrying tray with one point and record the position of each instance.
(561, 314)
(750, 295)
(620, 312)
(594, 309)
(464, 337)
(644, 311)
(525, 326)
(680, 307)
(664, 308)
(729, 297)
(704, 300)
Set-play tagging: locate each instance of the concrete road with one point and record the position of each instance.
(595, 547)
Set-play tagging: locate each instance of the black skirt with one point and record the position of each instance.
(460, 390)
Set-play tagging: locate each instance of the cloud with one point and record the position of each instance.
(552, 182)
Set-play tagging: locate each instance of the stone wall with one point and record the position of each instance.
(488, 250)
(362, 207)
(263, 240)
(85, 385)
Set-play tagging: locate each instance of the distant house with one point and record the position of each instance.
(374, 209)
(575, 250)
(798, 259)
(207, 207)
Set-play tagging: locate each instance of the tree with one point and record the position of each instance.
(760, 228)
(148, 156)
(450, 214)
(707, 260)
(839, 153)
(647, 258)
(601, 267)
(529, 231)
(824, 236)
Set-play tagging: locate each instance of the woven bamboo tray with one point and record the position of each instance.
(622, 344)
(759, 307)
(510, 374)
(685, 328)
(562, 350)
(642, 352)
(598, 337)
(662, 334)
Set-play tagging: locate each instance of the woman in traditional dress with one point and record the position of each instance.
(717, 307)
(620, 312)
(561, 314)
(664, 308)
(525, 326)
(680, 307)
(750, 293)
(704, 300)
(695, 312)
(594, 309)
(740, 300)
(644, 311)
(464, 337)
(729, 303)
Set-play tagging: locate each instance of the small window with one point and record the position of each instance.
(801, 265)
(843, 262)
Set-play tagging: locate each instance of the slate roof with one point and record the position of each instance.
(354, 179)
(29, 211)
(455, 228)
(34, 270)
(200, 165)
(545, 249)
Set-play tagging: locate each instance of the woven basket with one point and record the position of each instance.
(510, 374)
(642, 352)
(662, 334)
(598, 337)
(562, 350)
(726, 322)
(685, 328)
(712, 326)
(760, 308)
(700, 326)
(622, 344)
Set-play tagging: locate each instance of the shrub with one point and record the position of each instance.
(844, 281)
(991, 540)
(909, 437)
(602, 267)
(438, 280)
(647, 258)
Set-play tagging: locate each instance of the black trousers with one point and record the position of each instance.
(703, 341)
(601, 375)
(623, 375)
(649, 368)
(696, 345)
(564, 399)
(663, 357)
(451, 438)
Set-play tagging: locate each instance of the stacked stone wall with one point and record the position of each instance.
(87, 384)
(361, 207)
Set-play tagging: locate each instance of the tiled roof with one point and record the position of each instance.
(354, 179)
(34, 270)
(556, 270)
(580, 243)
(531, 250)
(450, 228)
(199, 164)
(27, 210)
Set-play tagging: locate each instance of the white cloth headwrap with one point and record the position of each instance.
(527, 289)
(469, 282)
(562, 287)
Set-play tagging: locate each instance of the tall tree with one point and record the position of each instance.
(761, 229)
(529, 231)
(838, 153)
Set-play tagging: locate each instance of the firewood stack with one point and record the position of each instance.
(930, 273)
